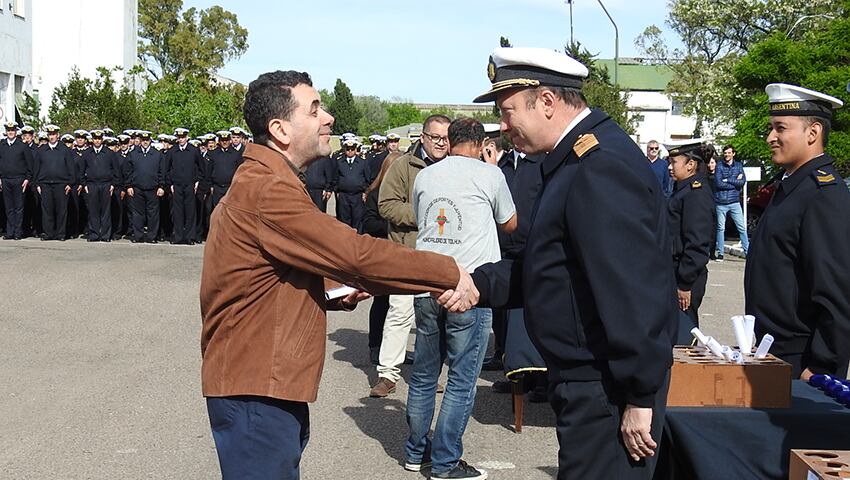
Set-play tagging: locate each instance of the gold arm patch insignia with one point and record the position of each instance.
(584, 144)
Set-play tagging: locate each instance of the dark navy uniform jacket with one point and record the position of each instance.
(222, 165)
(524, 182)
(15, 159)
(54, 165)
(375, 160)
(691, 223)
(351, 178)
(184, 167)
(100, 167)
(595, 277)
(797, 277)
(145, 170)
(320, 174)
(79, 162)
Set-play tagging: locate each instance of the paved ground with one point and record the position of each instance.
(99, 347)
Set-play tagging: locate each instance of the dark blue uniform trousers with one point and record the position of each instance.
(349, 209)
(100, 215)
(145, 208)
(259, 437)
(13, 198)
(54, 210)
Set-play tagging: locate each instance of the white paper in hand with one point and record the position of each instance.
(339, 292)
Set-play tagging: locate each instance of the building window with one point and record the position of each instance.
(17, 7)
(677, 107)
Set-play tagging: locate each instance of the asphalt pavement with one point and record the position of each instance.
(100, 355)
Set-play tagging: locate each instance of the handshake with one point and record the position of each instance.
(463, 297)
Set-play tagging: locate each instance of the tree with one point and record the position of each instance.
(196, 42)
(819, 59)
(344, 109)
(89, 103)
(401, 113)
(192, 104)
(29, 111)
(373, 114)
(599, 90)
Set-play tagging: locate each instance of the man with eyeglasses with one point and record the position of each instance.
(351, 179)
(395, 204)
(659, 167)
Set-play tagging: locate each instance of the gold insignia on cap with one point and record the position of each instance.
(696, 184)
(584, 144)
(491, 70)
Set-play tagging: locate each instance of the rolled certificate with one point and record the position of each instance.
(741, 334)
(338, 292)
(737, 357)
(727, 353)
(700, 336)
(715, 347)
(750, 326)
(764, 346)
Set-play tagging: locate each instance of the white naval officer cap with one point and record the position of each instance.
(797, 101)
(492, 130)
(520, 67)
(181, 132)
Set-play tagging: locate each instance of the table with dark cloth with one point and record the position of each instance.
(746, 443)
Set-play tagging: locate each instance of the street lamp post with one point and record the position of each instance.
(616, 42)
(804, 17)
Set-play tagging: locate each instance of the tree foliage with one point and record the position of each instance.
(89, 103)
(192, 104)
(599, 90)
(192, 43)
(344, 109)
(29, 111)
(819, 60)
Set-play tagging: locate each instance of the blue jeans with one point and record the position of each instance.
(259, 437)
(737, 213)
(460, 338)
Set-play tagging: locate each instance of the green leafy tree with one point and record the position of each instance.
(192, 104)
(599, 90)
(373, 114)
(400, 113)
(29, 111)
(818, 59)
(327, 98)
(192, 43)
(344, 109)
(441, 110)
(90, 103)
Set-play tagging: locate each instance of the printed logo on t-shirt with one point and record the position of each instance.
(448, 221)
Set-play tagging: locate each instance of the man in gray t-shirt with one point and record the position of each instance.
(458, 203)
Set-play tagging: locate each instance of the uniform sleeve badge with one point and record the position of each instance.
(584, 144)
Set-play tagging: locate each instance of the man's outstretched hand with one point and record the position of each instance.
(463, 297)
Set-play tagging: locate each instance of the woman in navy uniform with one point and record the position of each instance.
(798, 266)
(691, 226)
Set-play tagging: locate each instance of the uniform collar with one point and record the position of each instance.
(559, 154)
(790, 183)
(680, 184)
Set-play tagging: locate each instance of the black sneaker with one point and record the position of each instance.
(462, 470)
(719, 258)
(416, 467)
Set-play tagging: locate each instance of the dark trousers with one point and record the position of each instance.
(54, 210)
(500, 332)
(99, 202)
(145, 207)
(588, 416)
(32, 212)
(183, 213)
(119, 212)
(349, 209)
(218, 192)
(689, 318)
(259, 437)
(202, 214)
(377, 315)
(317, 197)
(13, 198)
(166, 227)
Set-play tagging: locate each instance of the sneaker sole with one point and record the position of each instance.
(416, 467)
(482, 476)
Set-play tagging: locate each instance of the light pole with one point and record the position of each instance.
(804, 17)
(616, 42)
(570, 3)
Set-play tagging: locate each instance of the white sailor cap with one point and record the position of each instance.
(691, 148)
(223, 134)
(97, 133)
(108, 131)
(492, 130)
(144, 134)
(80, 133)
(41, 135)
(27, 129)
(393, 137)
(181, 132)
(11, 125)
(350, 143)
(348, 135)
(51, 128)
(517, 67)
(380, 139)
(797, 101)
(237, 131)
(67, 138)
(123, 138)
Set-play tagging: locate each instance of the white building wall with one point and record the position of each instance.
(658, 121)
(84, 33)
(15, 54)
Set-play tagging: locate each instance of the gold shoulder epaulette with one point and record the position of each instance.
(696, 184)
(825, 179)
(584, 144)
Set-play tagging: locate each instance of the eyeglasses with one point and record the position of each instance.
(436, 138)
(654, 149)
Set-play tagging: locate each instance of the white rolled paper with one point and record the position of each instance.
(764, 346)
(727, 353)
(750, 325)
(737, 357)
(741, 334)
(338, 292)
(700, 336)
(715, 347)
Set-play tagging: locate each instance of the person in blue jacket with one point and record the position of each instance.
(729, 179)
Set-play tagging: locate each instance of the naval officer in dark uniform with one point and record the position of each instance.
(798, 264)
(594, 277)
(15, 175)
(101, 173)
(351, 178)
(144, 179)
(54, 174)
(185, 172)
(691, 223)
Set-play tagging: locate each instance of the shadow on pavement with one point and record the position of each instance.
(496, 409)
(355, 351)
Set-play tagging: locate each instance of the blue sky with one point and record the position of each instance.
(425, 51)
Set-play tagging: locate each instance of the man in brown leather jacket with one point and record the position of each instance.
(268, 256)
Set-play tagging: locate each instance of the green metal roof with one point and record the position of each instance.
(637, 76)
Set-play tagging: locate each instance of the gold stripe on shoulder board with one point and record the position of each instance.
(696, 184)
(585, 143)
(826, 178)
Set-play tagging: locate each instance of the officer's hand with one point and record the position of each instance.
(350, 301)
(326, 195)
(67, 189)
(131, 192)
(79, 189)
(86, 188)
(24, 185)
(364, 197)
(463, 297)
(636, 432)
(111, 189)
(122, 194)
(38, 189)
(489, 154)
(160, 192)
(806, 375)
(684, 299)
(172, 189)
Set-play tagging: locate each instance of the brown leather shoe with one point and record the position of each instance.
(382, 388)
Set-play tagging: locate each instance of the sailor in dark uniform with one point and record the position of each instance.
(185, 171)
(15, 176)
(32, 215)
(237, 139)
(100, 176)
(223, 162)
(594, 277)
(351, 178)
(53, 172)
(691, 224)
(798, 265)
(144, 179)
(375, 157)
(120, 209)
(319, 176)
(77, 212)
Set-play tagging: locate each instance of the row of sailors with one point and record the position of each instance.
(95, 175)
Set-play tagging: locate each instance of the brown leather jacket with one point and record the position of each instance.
(267, 256)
